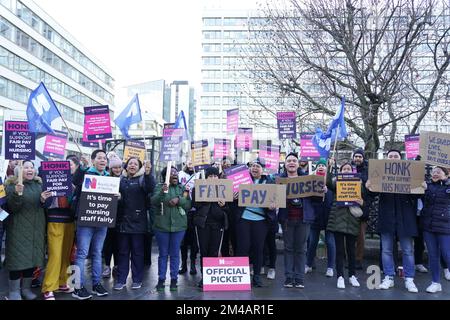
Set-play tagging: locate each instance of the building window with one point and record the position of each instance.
(211, 61)
(210, 87)
(207, 22)
(211, 35)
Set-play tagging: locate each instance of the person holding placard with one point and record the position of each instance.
(210, 219)
(170, 204)
(435, 220)
(397, 218)
(252, 225)
(25, 235)
(89, 238)
(295, 220)
(344, 222)
(135, 184)
(321, 211)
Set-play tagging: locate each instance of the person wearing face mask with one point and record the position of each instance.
(344, 222)
(25, 236)
(170, 205)
(89, 238)
(135, 184)
(210, 221)
(435, 220)
(397, 218)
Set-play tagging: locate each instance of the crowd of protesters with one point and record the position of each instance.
(40, 223)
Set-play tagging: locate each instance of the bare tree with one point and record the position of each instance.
(388, 58)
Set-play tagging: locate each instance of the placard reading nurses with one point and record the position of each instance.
(226, 274)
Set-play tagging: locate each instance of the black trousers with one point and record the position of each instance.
(250, 237)
(189, 241)
(345, 242)
(110, 248)
(210, 240)
(17, 274)
(270, 250)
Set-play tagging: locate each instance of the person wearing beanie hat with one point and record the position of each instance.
(321, 167)
(362, 168)
(397, 220)
(210, 220)
(114, 164)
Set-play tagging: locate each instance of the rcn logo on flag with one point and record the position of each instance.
(90, 184)
(41, 111)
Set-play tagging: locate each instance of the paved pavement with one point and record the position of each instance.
(317, 287)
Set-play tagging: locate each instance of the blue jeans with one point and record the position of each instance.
(438, 244)
(295, 234)
(406, 243)
(169, 245)
(312, 248)
(90, 237)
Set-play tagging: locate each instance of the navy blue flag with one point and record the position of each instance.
(130, 115)
(180, 123)
(323, 140)
(41, 110)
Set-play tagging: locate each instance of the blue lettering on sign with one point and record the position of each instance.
(255, 196)
(396, 168)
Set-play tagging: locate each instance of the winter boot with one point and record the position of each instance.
(14, 290)
(183, 269)
(26, 289)
(193, 269)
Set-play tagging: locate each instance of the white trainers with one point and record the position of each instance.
(388, 282)
(434, 287)
(410, 285)
(341, 283)
(447, 274)
(262, 271)
(271, 274)
(308, 269)
(329, 272)
(353, 281)
(421, 268)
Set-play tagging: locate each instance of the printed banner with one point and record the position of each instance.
(286, 125)
(226, 274)
(303, 186)
(98, 201)
(56, 177)
(134, 149)
(270, 156)
(213, 190)
(262, 195)
(348, 189)
(201, 156)
(97, 123)
(171, 144)
(435, 148)
(396, 176)
(308, 151)
(412, 146)
(244, 139)
(222, 149)
(239, 175)
(20, 144)
(55, 145)
(232, 121)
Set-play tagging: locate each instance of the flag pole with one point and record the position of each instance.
(70, 132)
(143, 136)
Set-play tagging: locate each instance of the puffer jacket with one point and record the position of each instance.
(166, 218)
(25, 235)
(209, 213)
(435, 215)
(132, 211)
(340, 219)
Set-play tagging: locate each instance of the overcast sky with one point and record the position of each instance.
(137, 40)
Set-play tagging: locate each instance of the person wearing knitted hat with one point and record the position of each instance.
(114, 164)
(321, 167)
(210, 220)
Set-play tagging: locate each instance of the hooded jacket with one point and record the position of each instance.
(436, 211)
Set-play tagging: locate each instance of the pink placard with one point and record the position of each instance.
(308, 150)
(221, 148)
(97, 123)
(55, 145)
(232, 121)
(270, 156)
(244, 139)
(412, 146)
(226, 274)
(239, 175)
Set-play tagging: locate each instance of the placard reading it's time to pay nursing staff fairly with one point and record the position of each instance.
(348, 189)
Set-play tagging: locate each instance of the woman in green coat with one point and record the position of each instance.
(170, 204)
(344, 223)
(25, 236)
